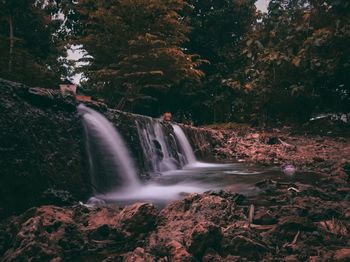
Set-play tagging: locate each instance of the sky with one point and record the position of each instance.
(262, 5)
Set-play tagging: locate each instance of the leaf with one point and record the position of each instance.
(259, 44)
(296, 61)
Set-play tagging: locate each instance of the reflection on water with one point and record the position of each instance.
(195, 178)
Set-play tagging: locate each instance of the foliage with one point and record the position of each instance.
(213, 61)
(29, 46)
(135, 51)
(218, 29)
(297, 61)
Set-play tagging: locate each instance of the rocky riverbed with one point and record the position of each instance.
(42, 165)
(287, 222)
(328, 155)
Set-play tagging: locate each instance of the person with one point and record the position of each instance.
(167, 116)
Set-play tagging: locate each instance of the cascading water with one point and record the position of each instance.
(110, 162)
(155, 145)
(172, 157)
(185, 146)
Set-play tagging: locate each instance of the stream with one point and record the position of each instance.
(173, 174)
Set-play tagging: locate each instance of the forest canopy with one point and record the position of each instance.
(211, 61)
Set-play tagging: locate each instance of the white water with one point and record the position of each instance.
(155, 146)
(173, 185)
(109, 158)
(188, 154)
(184, 145)
(155, 192)
(115, 179)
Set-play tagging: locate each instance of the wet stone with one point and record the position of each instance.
(264, 217)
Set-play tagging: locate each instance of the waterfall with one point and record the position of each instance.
(155, 145)
(109, 159)
(185, 145)
(162, 147)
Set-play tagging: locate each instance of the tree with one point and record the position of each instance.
(135, 51)
(218, 30)
(28, 44)
(296, 61)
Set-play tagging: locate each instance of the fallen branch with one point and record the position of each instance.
(262, 227)
(251, 213)
(291, 245)
(295, 238)
(285, 144)
(293, 189)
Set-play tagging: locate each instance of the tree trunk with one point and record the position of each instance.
(11, 42)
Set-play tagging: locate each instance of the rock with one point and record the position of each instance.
(253, 136)
(138, 255)
(264, 217)
(178, 252)
(138, 218)
(106, 232)
(203, 141)
(192, 221)
(334, 226)
(207, 227)
(57, 197)
(100, 233)
(318, 159)
(40, 148)
(347, 213)
(44, 97)
(34, 240)
(70, 233)
(243, 246)
(203, 236)
(211, 255)
(239, 239)
(342, 254)
(294, 223)
(315, 259)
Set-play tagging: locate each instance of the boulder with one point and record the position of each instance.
(342, 254)
(41, 147)
(192, 224)
(242, 241)
(177, 252)
(202, 236)
(264, 217)
(138, 218)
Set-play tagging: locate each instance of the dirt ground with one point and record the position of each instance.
(322, 154)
